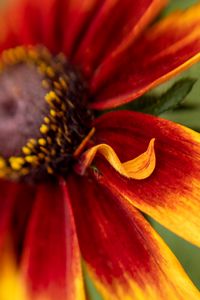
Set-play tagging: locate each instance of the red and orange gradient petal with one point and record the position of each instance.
(171, 195)
(124, 256)
(51, 265)
(12, 226)
(169, 47)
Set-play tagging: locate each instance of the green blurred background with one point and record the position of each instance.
(189, 115)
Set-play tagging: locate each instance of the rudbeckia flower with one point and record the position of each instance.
(74, 186)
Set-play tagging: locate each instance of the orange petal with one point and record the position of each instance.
(140, 167)
(169, 47)
(125, 257)
(51, 264)
(171, 194)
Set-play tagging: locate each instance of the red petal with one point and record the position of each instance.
(8, 36)
(20, 216)
(7, 199)
(11, 196)
(125, 257)
(35, 22)
(51, 262)
(167, 48)
(114, 27)
(79, 15)
(171, 194)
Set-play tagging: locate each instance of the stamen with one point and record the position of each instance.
(53, 96)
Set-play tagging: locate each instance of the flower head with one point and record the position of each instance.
(73, 185)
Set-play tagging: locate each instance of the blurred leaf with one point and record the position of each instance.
(188, 113)
(158, 104)
(91, 290)
(177, 4)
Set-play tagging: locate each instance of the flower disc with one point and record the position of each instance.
(43, 113)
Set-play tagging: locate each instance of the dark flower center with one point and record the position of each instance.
(43, 113)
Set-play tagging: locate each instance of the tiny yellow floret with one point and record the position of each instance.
(16, 162)
(26, 150)
(44, 129)
(42, 142)
(31, 159)
(52, 112)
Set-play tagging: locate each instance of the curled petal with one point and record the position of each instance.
(140, 167)
(171, 195)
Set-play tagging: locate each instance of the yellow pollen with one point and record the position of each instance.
(26, 150)
(16, 162)
(42, 142)
(51, 97)
(44, 129)
(53, 113)
(31, 143)
(46, 120)
(32, 159)
(50, 72)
